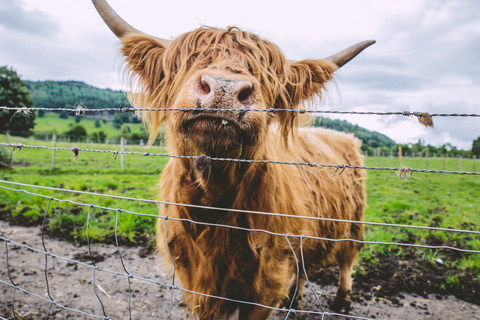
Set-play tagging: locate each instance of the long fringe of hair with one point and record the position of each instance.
(156, 74)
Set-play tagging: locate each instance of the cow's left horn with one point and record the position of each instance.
(343, 57)
(119, 26)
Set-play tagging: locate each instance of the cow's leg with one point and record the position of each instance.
(345, 257)
(293, 288)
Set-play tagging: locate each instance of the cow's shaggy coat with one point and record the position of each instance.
(253, 73)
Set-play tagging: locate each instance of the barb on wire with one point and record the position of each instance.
(311, 164)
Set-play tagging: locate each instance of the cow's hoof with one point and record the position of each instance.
(342, 303)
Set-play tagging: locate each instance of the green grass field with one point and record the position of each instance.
(424, 199)
(52, 121)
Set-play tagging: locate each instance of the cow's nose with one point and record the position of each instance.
(225, 92)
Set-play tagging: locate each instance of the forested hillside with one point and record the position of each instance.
(371, 138)
(66, 94)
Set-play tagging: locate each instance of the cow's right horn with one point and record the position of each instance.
(119, 26)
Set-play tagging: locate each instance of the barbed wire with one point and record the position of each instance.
(81, 110)
(403, 171)
(94, 267)
(382, 224)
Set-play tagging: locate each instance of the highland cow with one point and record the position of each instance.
(237, 71)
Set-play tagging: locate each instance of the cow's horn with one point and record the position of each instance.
(119, 26)
(343, 57)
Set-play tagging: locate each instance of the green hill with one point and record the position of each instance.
(371, 138)
(66, 94)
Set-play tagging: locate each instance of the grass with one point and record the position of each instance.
(426, 199)
(52, 120)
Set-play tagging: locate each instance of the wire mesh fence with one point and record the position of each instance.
(124, 273)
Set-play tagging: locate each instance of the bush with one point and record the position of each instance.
(63, 114)
(98, 124)
(98, 137)
(4, 158)
(77, 132)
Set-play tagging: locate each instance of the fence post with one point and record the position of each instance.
(443, 161)
(400, 155)
(474, 169)
(8, 137)
(106, 143)
(378, 156)
(426, 160)
(54, 143)
(122, 147)
(460, 162)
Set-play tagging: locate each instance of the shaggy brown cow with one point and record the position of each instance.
(211, 69)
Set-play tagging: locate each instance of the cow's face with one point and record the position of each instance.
(210, 69)
(230, 70)
(224, 76)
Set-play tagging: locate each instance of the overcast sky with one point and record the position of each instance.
(426, 57)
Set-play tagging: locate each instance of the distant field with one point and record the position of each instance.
(52, 121)
(440, 200)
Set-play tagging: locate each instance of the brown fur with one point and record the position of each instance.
(250, 266)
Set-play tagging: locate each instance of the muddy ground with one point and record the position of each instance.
(71, 285)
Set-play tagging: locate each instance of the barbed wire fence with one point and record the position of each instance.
(402, 171)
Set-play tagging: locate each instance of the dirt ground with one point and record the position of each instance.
(71, 285)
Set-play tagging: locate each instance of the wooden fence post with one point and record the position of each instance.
(54, 143)
(400, 155)
(8, 137)
(460, 162)
(378, 156)
(443, 161)
(474, 159)
(426, 160)
(122, 148)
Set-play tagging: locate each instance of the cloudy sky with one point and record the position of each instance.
(426, 57)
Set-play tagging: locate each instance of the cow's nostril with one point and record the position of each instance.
(244, 95)
(205, 86)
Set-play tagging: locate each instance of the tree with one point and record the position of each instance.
(77, 132)
(476, 147)
(14, 93)
(63, 114)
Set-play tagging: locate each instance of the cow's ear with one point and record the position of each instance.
(307, 79)
(143, 56)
